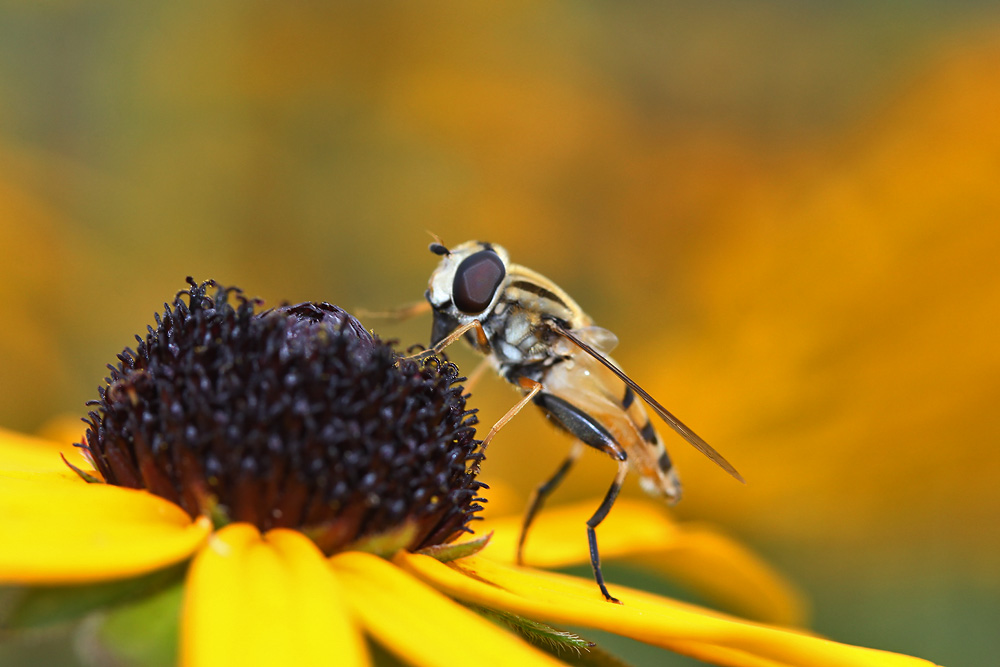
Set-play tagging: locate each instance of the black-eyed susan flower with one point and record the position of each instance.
(304, 487)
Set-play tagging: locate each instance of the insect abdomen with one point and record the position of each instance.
(658, 478)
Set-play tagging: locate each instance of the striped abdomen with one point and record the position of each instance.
(596, 392)
(660, 478)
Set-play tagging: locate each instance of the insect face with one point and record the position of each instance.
(465, 286)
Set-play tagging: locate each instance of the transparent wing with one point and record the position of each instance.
(693, 438)
(598, 338)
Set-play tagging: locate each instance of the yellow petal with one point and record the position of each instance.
(270, 600)
(717, 567)
(421, 626)
(54, 532)
(564, 600)
(28, 457)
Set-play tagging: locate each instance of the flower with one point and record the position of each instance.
(232, 453)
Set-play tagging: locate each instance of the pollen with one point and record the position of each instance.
(294, 417)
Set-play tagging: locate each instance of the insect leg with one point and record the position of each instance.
(533, 388)
(580, 424)
(484, 344)
(542, 493)
(400, 314)
(594, 521)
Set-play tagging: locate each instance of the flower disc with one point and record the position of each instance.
(294, 417)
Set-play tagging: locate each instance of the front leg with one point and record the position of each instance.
(400, 314)
(481, 340)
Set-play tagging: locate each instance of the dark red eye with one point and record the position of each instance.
(476, 280)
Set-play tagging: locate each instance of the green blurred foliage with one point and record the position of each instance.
(787, 212)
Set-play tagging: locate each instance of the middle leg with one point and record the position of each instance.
(542, 493)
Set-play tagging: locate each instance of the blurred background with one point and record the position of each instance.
(787, 211)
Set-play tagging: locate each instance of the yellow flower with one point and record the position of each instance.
(257, 599)
(258, 592)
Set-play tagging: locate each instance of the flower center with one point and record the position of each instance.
(294, 417)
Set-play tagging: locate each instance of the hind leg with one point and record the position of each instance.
(594, 521)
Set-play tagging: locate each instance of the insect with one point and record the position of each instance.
(540, 340)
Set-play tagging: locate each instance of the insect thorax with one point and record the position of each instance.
(522, 343)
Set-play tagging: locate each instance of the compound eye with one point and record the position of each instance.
(476, 280)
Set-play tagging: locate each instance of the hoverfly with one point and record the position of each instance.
(541, 341)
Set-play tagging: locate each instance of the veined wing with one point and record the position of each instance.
(693, 438)
(598, 337)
